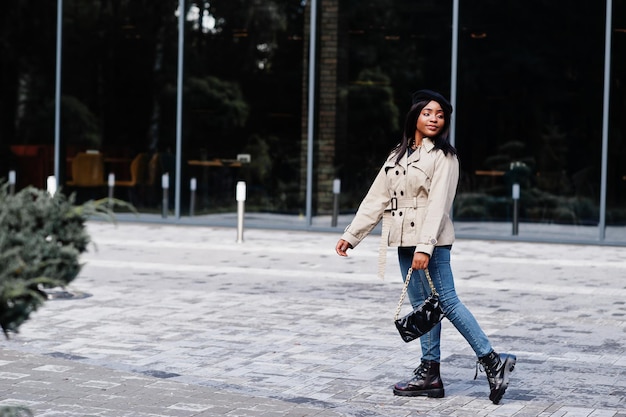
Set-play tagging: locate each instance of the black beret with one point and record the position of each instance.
(433, 95)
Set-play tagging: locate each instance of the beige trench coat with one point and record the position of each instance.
(414, 198)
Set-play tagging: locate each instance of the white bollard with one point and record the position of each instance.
(165, 184)
(515, 195)
(336, 192)
(192, 199)
(51, 184)
(241, 201)
(111, 182)
(12, 179)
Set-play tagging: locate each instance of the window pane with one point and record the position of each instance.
(119, 69)
(243, 105)
(386, 51)
(529, 113)
(616, 175)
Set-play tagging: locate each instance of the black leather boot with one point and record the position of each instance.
(498, 369)
(426, 381)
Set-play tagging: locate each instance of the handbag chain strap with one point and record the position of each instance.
(406, 286)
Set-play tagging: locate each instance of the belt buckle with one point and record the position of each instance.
(394, 203)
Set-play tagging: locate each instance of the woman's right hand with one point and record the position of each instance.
(342, 247)
(420, 260)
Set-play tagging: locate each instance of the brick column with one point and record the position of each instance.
(326, 107)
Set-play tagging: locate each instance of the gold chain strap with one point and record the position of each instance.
(406, 286)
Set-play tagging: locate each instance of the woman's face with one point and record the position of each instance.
(430, 121)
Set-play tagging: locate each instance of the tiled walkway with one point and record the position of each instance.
(183, 321)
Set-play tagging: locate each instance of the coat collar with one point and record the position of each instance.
(427, 146)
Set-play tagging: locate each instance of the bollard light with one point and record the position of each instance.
(111, 182)
(515, 194)
(12, 182)
(336, 192)
(51, 185)
(241, 199)
(192, 198)
(165, 184)
(241, 191)
(336, 186)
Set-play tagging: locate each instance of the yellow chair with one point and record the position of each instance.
(138, 168)
(87, 170)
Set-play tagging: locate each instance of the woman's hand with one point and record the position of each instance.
(420, 260)
(342, 247)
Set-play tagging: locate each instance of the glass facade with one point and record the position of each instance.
(254, 104)
(530, 110)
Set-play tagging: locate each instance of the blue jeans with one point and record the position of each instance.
(455, 310)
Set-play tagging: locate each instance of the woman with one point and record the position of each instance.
(413, 194)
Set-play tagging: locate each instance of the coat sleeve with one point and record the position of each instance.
(370, 210)
(440, 197)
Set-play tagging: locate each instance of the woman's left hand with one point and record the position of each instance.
(420, 260)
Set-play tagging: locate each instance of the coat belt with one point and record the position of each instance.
(404, 202)
(394, 204)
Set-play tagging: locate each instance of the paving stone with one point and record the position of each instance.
(178, 320)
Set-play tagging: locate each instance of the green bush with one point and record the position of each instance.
(41, 239)
(15, 412)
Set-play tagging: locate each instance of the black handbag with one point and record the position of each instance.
(423, 318)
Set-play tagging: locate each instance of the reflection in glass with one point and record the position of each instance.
(528, 110)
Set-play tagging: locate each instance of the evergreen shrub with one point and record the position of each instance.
(41, 239)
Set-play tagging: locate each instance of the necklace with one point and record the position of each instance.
(413, 149)
(414, 146)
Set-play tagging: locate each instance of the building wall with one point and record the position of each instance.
(326, 112)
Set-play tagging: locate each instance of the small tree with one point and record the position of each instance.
(17, 411)
(41, 239)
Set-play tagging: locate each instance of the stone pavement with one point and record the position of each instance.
(172, 320)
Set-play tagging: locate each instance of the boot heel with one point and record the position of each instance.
(426, 381)
(436, 393)
(512, 359)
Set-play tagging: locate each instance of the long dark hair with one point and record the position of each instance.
(441, 141)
